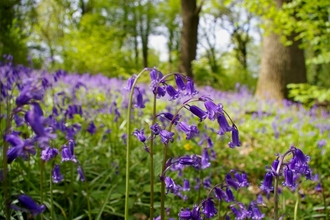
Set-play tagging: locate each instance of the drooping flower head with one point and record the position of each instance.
(139, 134)
(28, 205)
(209, 209)
(56, 174)
(19, 148)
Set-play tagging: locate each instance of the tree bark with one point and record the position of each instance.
(190, 19)
(280, 65)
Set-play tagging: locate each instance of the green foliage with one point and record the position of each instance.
(309, 95)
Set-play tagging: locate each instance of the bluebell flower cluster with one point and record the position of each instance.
(292, 170)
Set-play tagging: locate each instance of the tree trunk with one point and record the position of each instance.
(280, 65)
(190, 18)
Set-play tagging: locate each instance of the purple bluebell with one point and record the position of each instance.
(18, 120)
(81, 174)
(171, 186)
(267, 184)
(212, 109)
(91, 128)
(186, 214)
(139, 134)
(56, 174)
(190, 130)
(198, 112)
(166, 136)
(255, 212)
(172, 92)
(209, 209)
(170, 116)
(186, 185)
(220, 194)
(321, 143)
(139, 99)
(36, 121)
(207, 182)
(318, 187)
(30, 92)
(205, 162)
(288, 179)
(190, 88)
(19, 148)
(231, 182)
(299, 155)
(242, 179)
(48, 153)
(260, 199)
(130, 83)
(192, 160)
(29, 205)
(67, 155)
(238, 214)
(156, 129)
(234, 138)
(179, 82)
(230, 195)
(223, 123)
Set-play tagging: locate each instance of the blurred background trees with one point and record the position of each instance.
(218, 42)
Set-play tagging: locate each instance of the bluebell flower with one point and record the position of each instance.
(242, 179)
(30, 92)
(190, 130)
(156, 129)
(29, 205)
(56, 174)
(139, 134)
(299, 155)
(139, 99)
(190, 88)
(91, 128)
(166, 136)
(260, 199)
(321, 143)
(223, 123)
(220, 194)
(198, 112)
(48, 153)
(209, 209)
(186, 185)
(130, 83)
(171, 186)
(192, 160)
(36, 121)
(234, 138)
(172, 92)
(186, 214)
(255, 212)
(207, 182)
(213, 110)
(19, 148)
(289, 181)
(318, 187)
(18, 120)
(205, 162)
(230, 195)
(267, 184)
(81, 173)
(179, 82)
(231, 182)
(67, 155)
(170, 116)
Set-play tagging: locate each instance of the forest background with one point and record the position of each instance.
(217, 42)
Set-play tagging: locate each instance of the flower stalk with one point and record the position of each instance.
(128, 144)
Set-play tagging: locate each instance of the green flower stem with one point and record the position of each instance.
(88, 202)
(42, 169)
(51, 195)
(151, 148)
(4, 160)
(276, 199)
(71, 190)
(295, 214)
(162, 201)
(128, 150)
